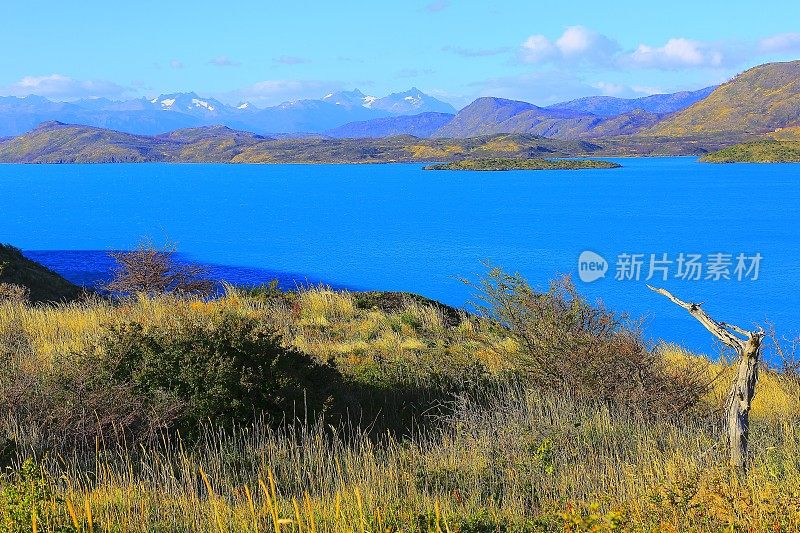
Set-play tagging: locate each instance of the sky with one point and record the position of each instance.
(267, 52)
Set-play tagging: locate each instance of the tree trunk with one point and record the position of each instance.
(743, 388)
(740, 397)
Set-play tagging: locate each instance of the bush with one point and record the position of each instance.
(10, 292)
(566, 344)
(23, 498)
(151, 272)
(227, 370)
(138, 380)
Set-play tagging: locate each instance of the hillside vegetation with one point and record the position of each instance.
(333, 411)
(523, 164)
(22, 277)
(765, 151)
(759, 100)
(62, 143)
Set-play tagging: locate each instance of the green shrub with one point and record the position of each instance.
(227, 370)
(567, 344)
(23, 498)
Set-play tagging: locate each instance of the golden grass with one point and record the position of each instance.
(776, 398)
(524, 461)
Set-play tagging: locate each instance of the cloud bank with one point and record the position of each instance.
(578, 44)
(60, 87)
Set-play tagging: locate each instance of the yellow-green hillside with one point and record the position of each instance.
(759, 100)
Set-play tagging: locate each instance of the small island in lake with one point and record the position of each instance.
(766, 151)
(497, 163)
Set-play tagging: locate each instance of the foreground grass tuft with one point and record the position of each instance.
(425, 421)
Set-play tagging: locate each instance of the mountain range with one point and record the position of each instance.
(54, 142)
(185, 110)
(759, 101)
(352, 114)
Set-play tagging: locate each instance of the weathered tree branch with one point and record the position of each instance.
(718, 329)
(743, 387)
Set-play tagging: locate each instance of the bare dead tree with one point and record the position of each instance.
(151, 271)
(787, 351)
(747, 345)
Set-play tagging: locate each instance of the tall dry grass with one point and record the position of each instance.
(499, 458)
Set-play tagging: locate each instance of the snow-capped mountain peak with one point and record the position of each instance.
(412, 101)
(349, 98)
(189, 103)
(202, 103)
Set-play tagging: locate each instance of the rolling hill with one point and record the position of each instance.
(422, 125)
(492, 116)
(54, 142)
(44, 284)
(759, 100)
(607, 106)
(764, 151)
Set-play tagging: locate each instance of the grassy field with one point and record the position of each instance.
(424, 421)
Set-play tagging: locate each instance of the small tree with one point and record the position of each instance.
(149, 271)
(566, 344)
(747, 345)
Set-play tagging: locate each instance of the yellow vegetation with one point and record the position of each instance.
(529, 462)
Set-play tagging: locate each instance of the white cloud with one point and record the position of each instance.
(62, 87)
(176, 64)
(537, 48)
(677, 53)
(581, 44)
(574, 40)
(576, 43)
(780, 43)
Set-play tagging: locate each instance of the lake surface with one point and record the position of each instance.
(396, 227)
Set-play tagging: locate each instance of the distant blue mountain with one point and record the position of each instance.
(353, 114)
(584, 118)
(421, 125)
(168, 112)
(607, 106)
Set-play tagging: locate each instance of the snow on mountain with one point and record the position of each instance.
(411, 102)
(166, 112)
(349, 98)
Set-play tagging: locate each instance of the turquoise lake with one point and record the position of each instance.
(397, 227)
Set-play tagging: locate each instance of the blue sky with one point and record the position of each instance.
(268, 52)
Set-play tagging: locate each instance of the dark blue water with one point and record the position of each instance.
(396, 227)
